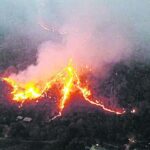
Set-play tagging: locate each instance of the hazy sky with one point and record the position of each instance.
(99, 31)
(136, 13)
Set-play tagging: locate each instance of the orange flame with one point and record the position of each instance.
(23, 92)
(70, 80)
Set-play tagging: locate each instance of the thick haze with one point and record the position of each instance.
(92, 32)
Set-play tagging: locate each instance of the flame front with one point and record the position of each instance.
(70, 81)
(23, 92)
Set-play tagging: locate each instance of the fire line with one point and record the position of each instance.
(70, 81)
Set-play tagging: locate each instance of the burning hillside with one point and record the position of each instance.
(68, 83)
(85, 63)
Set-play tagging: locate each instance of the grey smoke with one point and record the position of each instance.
(93, 32)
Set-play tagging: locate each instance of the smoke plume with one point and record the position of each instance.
(93, 33)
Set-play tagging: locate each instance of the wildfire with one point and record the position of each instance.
(23, 92)
(70, 82)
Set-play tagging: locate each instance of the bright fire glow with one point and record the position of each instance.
(70, 81)
(23, 92)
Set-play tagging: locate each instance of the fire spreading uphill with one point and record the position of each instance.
(70, 82)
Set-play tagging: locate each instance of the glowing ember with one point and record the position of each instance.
(70, 81)
(133, 111)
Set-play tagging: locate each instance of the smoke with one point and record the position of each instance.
(93, 33)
